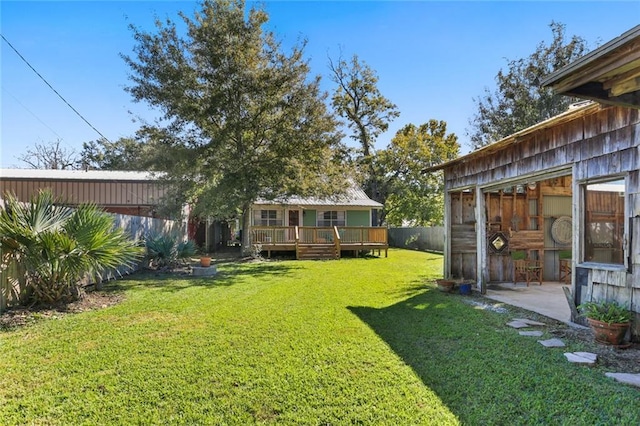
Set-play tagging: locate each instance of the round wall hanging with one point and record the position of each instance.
(561, 230)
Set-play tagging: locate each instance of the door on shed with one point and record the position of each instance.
(463, 235)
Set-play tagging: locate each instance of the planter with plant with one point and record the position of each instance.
(608, 320)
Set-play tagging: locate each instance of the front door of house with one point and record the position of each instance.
(294, 217)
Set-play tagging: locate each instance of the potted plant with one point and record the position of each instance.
(205, 258)
(608, 320)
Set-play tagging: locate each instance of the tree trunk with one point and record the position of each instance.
(246, 231)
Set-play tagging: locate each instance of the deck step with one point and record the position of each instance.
(317, 252)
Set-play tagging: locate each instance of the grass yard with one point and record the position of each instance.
(354, 341)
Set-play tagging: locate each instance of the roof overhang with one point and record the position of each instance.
(610, 74)
(78, 175)
(578, 110)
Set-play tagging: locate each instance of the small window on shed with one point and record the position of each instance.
(604, 222)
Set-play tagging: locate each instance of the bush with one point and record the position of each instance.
(609, 312)
(167, 252)
(59, 246)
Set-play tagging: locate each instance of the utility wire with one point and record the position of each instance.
(51, 87)
(32, 113)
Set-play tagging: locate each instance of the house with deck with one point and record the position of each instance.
(314, 228)
(558, 202)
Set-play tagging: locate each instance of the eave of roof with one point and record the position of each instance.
(564, 117)
(353, 197)
(569, 70)
(80, 175)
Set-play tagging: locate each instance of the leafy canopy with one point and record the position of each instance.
(358, 99)
(518, 101)
(412, 196)
(241, 118)
(123, 154)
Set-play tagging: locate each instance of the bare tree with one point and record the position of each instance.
(51, 155)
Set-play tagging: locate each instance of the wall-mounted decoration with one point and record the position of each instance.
(498, 243)
(562, 230)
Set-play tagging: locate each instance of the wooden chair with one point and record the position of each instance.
(565, 266)
(525, 269)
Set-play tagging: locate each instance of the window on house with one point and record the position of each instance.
(604, 222)
(331, 218)
(267, 218)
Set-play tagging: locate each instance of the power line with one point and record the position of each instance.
(32, 113)
(51, 87)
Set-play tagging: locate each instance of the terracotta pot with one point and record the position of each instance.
(205, 261)
(611, 334)
(445, 285)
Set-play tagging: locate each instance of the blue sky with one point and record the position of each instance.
(432, 58)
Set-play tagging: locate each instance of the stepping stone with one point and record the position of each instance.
(581, 357)
(536, 333)
(528, 321)
(518, 324)
(627, 378)
(552, 343)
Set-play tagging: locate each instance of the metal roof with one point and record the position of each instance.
(88, 175)
(353, 197)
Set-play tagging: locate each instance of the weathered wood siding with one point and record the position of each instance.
(588, 144)
(463, 235)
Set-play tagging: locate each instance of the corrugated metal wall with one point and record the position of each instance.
(76, 192)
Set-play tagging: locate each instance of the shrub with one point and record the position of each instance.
(609, 312)
(59, 246)
(167, 251)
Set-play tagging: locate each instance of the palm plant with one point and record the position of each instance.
(59, 246)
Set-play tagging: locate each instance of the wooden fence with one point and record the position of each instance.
(12, 282)
(425, 239)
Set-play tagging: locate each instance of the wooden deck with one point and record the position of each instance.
(313, 242)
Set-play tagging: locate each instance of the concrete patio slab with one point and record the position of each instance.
(547, 299)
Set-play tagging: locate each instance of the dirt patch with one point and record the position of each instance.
(22, 316)
(624, 359)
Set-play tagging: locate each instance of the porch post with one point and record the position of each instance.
(446, 251)
(482, 272)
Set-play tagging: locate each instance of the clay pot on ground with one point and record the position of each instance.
(205, 261)
(445, 286)
(611, 334)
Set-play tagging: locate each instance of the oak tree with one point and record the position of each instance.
(241, 119)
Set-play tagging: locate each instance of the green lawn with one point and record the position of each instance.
(364, 341)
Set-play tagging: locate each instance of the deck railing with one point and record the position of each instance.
(278, 235)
